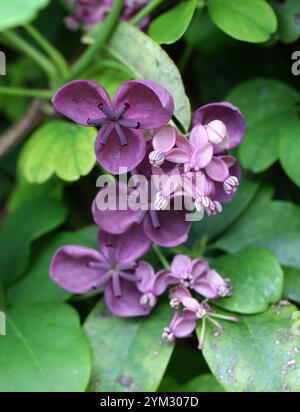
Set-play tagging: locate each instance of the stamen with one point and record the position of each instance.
(127, 266)
(220, 328)
(156, 158)
(98, 122)
(202, 334)
(107, 133)
(148, 300)
(154, 218)
(116, 285)
(168, 335)
(99, 265)
(131, 277)
(231, 184)
(121, 134)
(108, 113)
(228, 318)
(129, 124)
(120, 112)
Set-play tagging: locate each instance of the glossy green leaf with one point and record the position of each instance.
(203, 383)
(288, 14)
(289, 150)
(128, 44)
(292, 284)
(16, 12)
(170, 26)
(257, 280)
(128, 354)
(44, 350)
(270, 110)
(258, 354)
(253, 20)
(26, 224)
(36, 286)
(274, 225)
(61, 148)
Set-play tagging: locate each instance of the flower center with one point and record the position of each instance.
(114, 120)
(148, 300)
(187, 279)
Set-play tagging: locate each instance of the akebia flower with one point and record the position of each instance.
(198, 276)
(223, 123)
(138, 105)
(80, 269)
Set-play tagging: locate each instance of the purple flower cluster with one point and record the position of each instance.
(134, 135)
(87, 13)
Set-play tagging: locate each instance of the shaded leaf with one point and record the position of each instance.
(289, 150)
(203, 383)
(292, 284)
(288, 13)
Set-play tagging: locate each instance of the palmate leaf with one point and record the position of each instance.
(258, 354)
(128, 354)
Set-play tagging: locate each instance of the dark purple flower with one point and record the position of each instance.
(80, 269)
(138, 105)
(225, 113)
(196, 275)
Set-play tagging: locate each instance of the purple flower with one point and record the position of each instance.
(225, 113)
(162, 225)
(138, 105)
(90, 12)
(80, 269)
(198, 276)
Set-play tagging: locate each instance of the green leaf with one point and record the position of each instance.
(203, 383)
(128, 43)
(258, 354)
(171, 25)
(257, 280)
(44, 350)
(16, 12)
(289, 150)
(253, 20)
(287, 13)
(36, 286)
(270, 110)
(60, 147)
(128, 354)
(292, 284)
(274, 225)
(26, 224)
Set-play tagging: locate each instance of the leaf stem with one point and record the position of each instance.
(145, 11)
(161, 256)
(16, 42)
(106, 30)
(51, 51)
(19, 91)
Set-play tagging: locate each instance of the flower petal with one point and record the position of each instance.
(150, 104)
(199, 267)
(217, 170)
(79, 99)
(183, 327)
(146, 276)
(173, 230)
(229, 114)
(177, 155)
(70, 268)
(164, 140)
(202, 155)
(162, 280)
(181, 264)
(198, 136)
(127, 305)
(112, 156)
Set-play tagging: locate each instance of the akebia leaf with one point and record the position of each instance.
(61, 148)
(257, 280)
(260, 353)
(128, 354)
(171, 25)
(16, 12)
(44, 350)
(26, 224)
(253, 20)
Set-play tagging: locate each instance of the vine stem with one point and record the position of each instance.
(51, 51)
(149, 8)
(107, 28)
(161, 256)
(16, 42)
(19, 91)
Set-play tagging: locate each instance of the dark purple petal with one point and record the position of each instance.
(113, 155)
(229, 114)
(70, 268)
(128, 246)
(128, 304)
(173, 230)
(79, 99)
(150, 104)
(114, 221)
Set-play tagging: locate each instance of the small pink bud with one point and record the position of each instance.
(216, 132)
